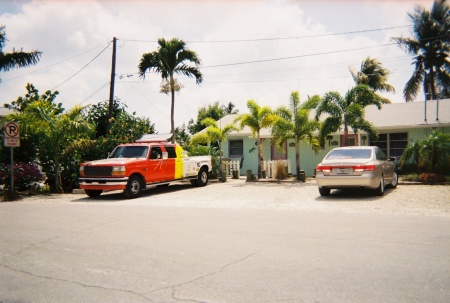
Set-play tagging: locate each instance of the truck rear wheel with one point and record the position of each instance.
(93, 193)
(134, 187)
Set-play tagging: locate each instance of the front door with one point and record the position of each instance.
(155, 171)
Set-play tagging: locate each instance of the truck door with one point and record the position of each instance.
(155, 172)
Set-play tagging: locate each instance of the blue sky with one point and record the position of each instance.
(307, 46)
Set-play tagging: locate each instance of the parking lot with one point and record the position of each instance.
(228, 242)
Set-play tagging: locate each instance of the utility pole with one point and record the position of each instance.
(111, 88)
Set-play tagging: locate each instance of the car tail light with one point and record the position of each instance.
(322, 168)
(360, 168)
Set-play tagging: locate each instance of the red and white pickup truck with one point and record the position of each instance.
(149, 161)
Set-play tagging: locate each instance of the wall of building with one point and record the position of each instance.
(308, 158)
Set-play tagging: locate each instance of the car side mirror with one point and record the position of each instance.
(392, 159)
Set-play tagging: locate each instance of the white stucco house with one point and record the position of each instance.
(397, 124)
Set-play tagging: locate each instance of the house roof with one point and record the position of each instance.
(390, 116)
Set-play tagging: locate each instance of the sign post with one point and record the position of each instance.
(12, 139)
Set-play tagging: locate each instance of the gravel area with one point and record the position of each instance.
(414, 199)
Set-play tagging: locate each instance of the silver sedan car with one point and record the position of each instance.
(355, 167)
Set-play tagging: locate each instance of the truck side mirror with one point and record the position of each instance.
(165, 155)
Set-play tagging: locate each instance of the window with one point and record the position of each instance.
(236, 148)
(156, 152)
(393, 144)
(171, 151)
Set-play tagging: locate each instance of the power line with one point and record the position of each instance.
(94, 93)
(81, 68)
(277, 38)
(299, 56)
(51, 65)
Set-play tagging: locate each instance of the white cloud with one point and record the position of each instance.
(64, 29)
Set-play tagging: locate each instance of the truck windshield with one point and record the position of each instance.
(130, 152)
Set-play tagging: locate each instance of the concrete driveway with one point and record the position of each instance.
(228, 242)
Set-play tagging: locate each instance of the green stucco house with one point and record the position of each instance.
(397, 124)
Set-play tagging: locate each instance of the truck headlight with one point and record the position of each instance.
(81, 170)
(119, 170)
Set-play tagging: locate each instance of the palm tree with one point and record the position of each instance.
(373, 74)
(229, 109)
(214, 134)
(168, 60)
(258, 118)
(430, 45)
(16, 59)
(347, 111)
(56, 131)
(293, 123)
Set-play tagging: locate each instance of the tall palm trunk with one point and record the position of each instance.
(260, 157)
(297, 157)
(172, 109)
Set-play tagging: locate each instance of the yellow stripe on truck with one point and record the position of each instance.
(179, 163)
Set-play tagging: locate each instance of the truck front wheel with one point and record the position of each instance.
(134, 187)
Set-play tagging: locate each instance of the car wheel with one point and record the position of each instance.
(134, 187)
(202, 178)
(394, 182)
(93, 193)
(380, 190)
(324, 191)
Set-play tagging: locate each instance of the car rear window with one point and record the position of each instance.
(349, 154)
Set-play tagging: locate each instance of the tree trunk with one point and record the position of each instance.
(345, 135)
(58, 186)
(433, 84)
(258, 138)
(220, 159)
(172, 109)
(297, 157)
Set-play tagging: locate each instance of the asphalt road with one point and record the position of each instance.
(182, 244)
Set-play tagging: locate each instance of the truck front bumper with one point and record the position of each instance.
(103, 183)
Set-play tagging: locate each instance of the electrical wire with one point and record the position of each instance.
(94, 93)
(51, 65)
(299, 56)
(81, 68)
(279, 38)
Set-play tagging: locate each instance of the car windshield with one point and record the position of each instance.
(130, 152)
(339, 154)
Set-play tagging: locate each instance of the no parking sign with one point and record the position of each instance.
(12, 134)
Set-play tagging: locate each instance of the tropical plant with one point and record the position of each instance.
(213, 133)
(430, 46)
(55, 130)
(229, 109)
(27, 151)
(294, 123)
(374, 75)
(347, 111)
(168, 60)
(16, 59)
(258, 118)
(124, 127)
(214, 111)
(25, 175)
(430, 155)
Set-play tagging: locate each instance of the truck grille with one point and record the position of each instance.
(98, 171)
